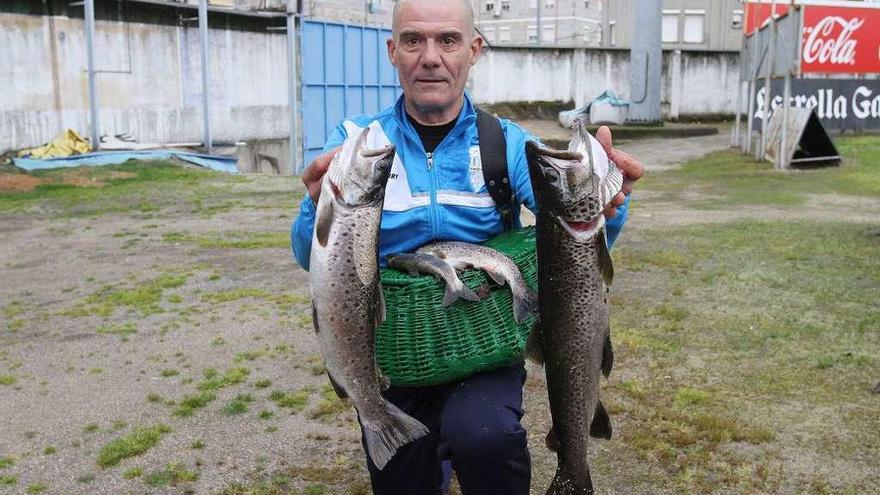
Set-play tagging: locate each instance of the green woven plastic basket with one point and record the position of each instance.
(421, 343)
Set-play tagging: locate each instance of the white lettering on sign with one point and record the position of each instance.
(863, 105)
(823, 47)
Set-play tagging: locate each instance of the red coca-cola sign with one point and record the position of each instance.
(841, 40)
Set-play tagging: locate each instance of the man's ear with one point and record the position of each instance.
(389, 43)
(476, 48)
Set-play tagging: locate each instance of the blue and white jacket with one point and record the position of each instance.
(434, 196)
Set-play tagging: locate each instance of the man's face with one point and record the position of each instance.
(433, 49)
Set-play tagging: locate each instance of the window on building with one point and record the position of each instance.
(532, 33)
(736, 20)
(694, 25)
(490, 6)
(489, 34)
(505, 5)
(533, 4)
(670, 26)
(612, 33)
(549, 34)
(586, 34)
(550, 4)
(586, 4)
(504, 35)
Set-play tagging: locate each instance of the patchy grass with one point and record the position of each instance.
(132, 473)
(297, 401)
(136, 187)
(136, 443)
(8, 480)
(8, 380)
(233, 240)
(143, 298)
(37, 488)
(330, 405)
(730, 179)
(238, 405)
(232, 376)
(174, 474)
(191, 403)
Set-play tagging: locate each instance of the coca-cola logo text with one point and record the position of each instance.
(821, 46)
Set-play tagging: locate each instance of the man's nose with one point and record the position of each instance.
(431, 55)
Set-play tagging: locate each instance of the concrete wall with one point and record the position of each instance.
(693, 82)
(150, 80)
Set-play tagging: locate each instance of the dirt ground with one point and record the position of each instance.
(114, 321)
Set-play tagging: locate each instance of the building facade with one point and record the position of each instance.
(687, 24)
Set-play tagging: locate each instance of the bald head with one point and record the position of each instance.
(465, 5)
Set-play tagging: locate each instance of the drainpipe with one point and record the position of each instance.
(206, 111)
(90, 55)
(292, 13)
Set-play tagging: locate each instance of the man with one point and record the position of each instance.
(436, 191)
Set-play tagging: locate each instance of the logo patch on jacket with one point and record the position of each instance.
(476, 169)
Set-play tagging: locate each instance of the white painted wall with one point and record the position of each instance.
(154, 91)
(698, 83)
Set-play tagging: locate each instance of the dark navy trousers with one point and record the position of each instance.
(475, 423)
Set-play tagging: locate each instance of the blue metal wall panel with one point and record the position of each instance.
(345, 72)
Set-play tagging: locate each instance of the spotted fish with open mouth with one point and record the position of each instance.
(572, 337)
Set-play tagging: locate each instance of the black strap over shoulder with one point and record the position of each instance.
(493, 154)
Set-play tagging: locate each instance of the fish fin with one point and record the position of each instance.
(457, 264)
(534, 347)
(877, 388)
(605, 264)
(611, 184)
(382, 313)
(458, 291)
(496, 277)
(383, 438)
(340, 392)
(552, 441)
(601, 425)
(323, 221)
(315, 317)
(607, 356)
(524, 305)
(565, 483)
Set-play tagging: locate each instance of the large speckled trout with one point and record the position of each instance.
(572, 337)
(347, 303)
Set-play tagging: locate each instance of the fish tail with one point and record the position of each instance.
(565, 483)
(385, 437)
(458, 291)
(524, 304)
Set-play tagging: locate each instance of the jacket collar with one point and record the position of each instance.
(466, 118)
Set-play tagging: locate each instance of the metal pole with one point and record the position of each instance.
(750, 119)
(291, 82)
(206, 111)
(782, 162)
(90, 55)
(734, 138)
(538, 20)
(771, 56)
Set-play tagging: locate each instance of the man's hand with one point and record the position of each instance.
(631, 167)
(315, 172)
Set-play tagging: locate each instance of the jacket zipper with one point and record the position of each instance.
(435, 220)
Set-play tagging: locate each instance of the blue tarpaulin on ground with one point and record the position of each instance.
(213, 162)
